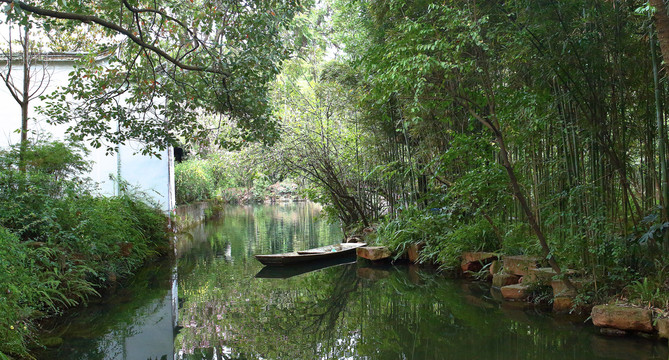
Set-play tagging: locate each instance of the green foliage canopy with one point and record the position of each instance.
(167, 64)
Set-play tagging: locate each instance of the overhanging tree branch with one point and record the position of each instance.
(112, 26)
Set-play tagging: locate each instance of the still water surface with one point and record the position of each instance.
(215, 303)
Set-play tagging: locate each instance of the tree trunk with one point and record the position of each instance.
(661, 149)
(25, 99)
(662, 25)
(518, 193)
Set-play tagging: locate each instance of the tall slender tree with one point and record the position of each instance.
(33, 82)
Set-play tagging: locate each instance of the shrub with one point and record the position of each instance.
(194, 181)
(261, 184)
(445, 236)
(114, 235)
(216, 177)
(18, 286)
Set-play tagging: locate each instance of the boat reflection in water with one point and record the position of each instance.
(285, 272)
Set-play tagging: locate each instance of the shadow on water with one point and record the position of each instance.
(231, 308)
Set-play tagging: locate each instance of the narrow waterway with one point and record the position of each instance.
(216, 303)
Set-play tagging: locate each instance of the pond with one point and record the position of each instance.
(215, 303)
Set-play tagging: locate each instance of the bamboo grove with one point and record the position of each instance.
(520, 126)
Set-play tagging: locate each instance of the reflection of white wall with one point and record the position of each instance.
(150, 336)
(150, 174)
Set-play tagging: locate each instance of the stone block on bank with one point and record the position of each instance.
(520, 264)
(560, 287)
(495, 267)
(502, 279)
(515, 292)
(622, 318)
(542, 275)
(414, 251)
(474, 261)
(662, 326)
(484, 257)
(373, 253)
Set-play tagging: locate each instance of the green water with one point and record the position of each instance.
(211, 305)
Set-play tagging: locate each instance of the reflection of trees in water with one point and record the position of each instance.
(256, 229)
(333, 314)
(445, 319)
(327, 311)
(398, 319)
(327, 319)
(211, 287)
(291, 319)
(318, 314)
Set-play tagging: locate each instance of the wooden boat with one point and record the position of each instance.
(321, 253)
(285, 272)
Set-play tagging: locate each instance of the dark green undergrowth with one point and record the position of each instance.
(444, 234)
(60, 242)
(621, 267)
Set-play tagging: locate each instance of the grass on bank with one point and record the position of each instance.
(60, 242)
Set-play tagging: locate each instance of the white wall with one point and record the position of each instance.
(150, 174)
